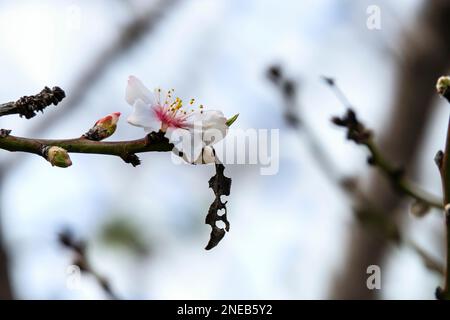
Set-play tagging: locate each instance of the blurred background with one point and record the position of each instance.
(293, 235)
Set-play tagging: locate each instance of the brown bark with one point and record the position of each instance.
(425, 56)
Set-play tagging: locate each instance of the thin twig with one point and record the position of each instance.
(365, 211)
(78, 247)
(430, 262)
(358, 133)
(288, 90)
(369, 215)
(399, 181)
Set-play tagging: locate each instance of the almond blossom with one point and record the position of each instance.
(192, 131)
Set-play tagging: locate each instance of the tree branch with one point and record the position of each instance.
(27, 106)
(358, 133)
(367, 214)
(78, 247)
(398, 180)
(425, 51)
(126, 150)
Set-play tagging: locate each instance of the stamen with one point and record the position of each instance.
(158, 95)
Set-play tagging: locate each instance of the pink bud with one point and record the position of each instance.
(103, 128)
(109, 120)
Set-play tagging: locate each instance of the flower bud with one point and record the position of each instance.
(103, 128)
(232, 119)
(442, 86)
(58, 157)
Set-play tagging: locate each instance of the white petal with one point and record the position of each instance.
(136, 90)
(187, 141)
(195, 156)
(206, 115)
(211, 124)
(144, 116)
(206, 157)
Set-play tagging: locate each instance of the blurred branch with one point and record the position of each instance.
(402, 136)
(288, 90)
(367, 214)
(27, 106)
(358, 133)
(430, 262)
(382, 226)
(67, 239)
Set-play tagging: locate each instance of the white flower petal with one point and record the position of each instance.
(187, 141)
(211, 124)
(207, 116)
(144, 116)
(205, 157)
(195, 156)
(136, 90)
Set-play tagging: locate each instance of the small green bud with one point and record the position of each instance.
(443, 85)
(58, 157)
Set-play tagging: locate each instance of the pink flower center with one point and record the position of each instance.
(169, 118)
